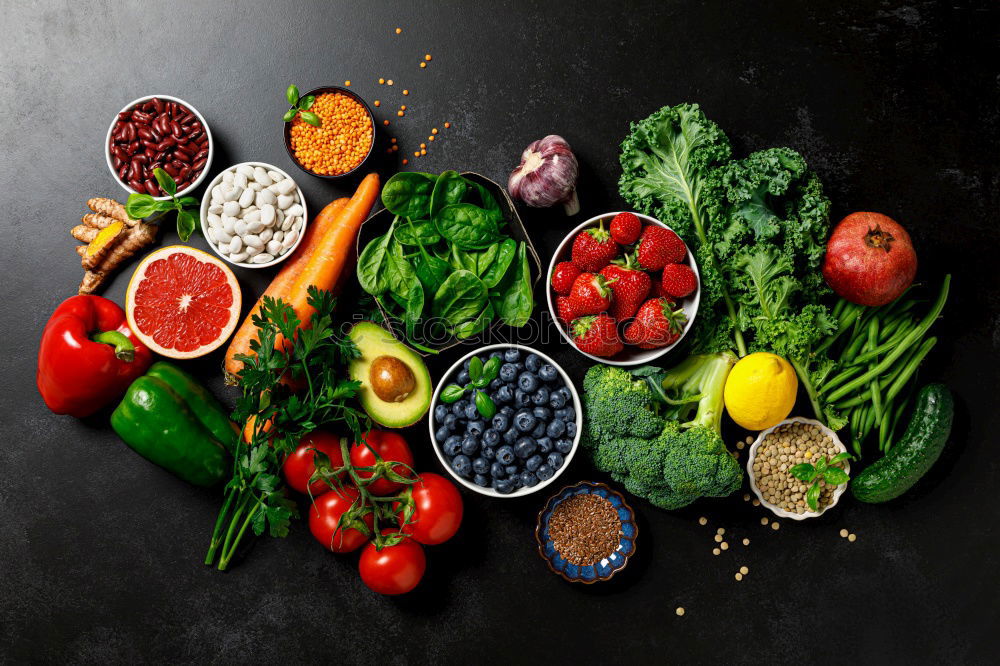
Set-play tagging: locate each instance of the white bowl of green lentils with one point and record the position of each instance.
(779, 448)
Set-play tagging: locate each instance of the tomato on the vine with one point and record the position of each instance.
(437, 510)
(324, 521)
(300, 465)
(392, 448)
(394, 569)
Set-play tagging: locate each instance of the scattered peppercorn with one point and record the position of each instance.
(585, 529)
(340, 143)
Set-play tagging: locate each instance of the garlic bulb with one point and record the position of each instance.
(547, 175)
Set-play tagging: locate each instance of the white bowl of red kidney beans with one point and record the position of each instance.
(159, 131)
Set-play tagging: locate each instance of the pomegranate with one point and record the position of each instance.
(869, 259)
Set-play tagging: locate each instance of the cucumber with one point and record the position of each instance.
(914, 454)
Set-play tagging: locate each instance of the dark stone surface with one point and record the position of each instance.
(896, 106)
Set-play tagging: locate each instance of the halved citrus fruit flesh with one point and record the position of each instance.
(182, 302)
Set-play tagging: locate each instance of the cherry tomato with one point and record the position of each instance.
(299, 466)
(437, 510)
(394, 569)
(391, 447)
(324, 516)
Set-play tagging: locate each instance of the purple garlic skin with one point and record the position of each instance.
(547, 175)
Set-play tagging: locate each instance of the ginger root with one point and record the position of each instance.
(112, 237)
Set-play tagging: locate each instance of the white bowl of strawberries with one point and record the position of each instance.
(623, 288)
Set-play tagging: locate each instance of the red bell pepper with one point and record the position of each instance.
(88, 356)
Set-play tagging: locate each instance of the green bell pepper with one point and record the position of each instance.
(170, 419)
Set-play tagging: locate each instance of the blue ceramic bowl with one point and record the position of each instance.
(607, 567)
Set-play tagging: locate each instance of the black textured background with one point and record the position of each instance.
(896, 106)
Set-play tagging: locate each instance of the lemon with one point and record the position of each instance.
(760, 391)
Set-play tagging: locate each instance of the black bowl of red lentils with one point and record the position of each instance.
(343, 141)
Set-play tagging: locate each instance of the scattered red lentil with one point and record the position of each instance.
(399, 30)
(430, 138)
(385, 122)
(395, 148)
(347, 83)
(447, 125)
(378, 103)
(423, 151)
(400, 113)
(381, 81)
(393, 140)
(402, 108)
(416, 153)
(389, 82)
(423, 64)
(427, 57)
(340, 143)
(423, 145)
(406, 161)
(406, 92)
(434, 130)
(585, 529)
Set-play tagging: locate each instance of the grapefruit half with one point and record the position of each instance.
(182, 302)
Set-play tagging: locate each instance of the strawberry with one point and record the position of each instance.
(678, 280)
(630, 287)
(590, 294)
(657, 324)
(625, 228)
(564, 310)
(563, 275)
(593, 249)
(596, 335)
(659, 247)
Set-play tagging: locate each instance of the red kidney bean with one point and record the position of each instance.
(140, 117)
(168, 142)
(157, 104)
(130, 132)
(125, 115)
(182, 155)
(119, 153)
(149, 153)
(145, 133)
(157, 137)
(185, 172)
(197, 126)
(132, 147)
(199, 165)
(188, 119)
(117, 161)
(154, 165)
(160, 156)
(201, 154)
(194, 134)
(148, 106)
(151, 186)
(175, 130)
(137, 186)
(136, 165)
(149, 144)
(123, 172)
(169, 168)
(177, 164)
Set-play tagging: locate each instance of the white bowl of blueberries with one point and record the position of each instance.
(505, 420)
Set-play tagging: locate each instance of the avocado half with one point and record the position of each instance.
(378, 347)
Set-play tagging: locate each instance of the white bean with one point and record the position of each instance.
(232, 194)
(262, 258)
(267, 214)
(261, 176)
(240, 228)
(217, 194)
(279, 217)
(246, 170)
(255, 226)
(231, 208)
(253, 240)
(297, 225)
(246, 198)
(252, 251)
(222, 236)
(214, 220)
(273, 247)
(293, 210)
(290, 239)
(239, 258)
(236, 244)
(256, 187)
(224, 248)
(252, 215)
(285, 200)
(227, 177)
(265, 234)
(266, 197)
(229, 225)
(275, 176)
(210, 232)
(286, 186)
(278, 235)
(241, 180)
(215, 209)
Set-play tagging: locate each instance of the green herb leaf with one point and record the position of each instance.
(835, 476)
(451, 393)
(306, 102)
(492, 368)
(166, 204)
(821, 465)
(840, 457)
(311, 118)
(292, 95)
(165, 180)
(812, 497)
(475, 368)
(804, 472)
(290, 115)
(487, 408)
(185, 224)
(188, 202)
(139, 206)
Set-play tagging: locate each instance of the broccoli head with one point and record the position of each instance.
(658, 432)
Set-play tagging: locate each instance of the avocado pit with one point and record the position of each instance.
(391, 379)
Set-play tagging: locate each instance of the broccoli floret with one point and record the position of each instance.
(658, 432)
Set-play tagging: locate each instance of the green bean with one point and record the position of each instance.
(840, 378)
(907, 342)
(911, 367)
(854, 419)
(883, 430)
(884, 382)
(888, 345)
(843, 322)
(857, 342)
(896, 417)
(866, 425)
(839, 308)
(873, 384)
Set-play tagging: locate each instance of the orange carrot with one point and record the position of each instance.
(334, 251)
(281, 285)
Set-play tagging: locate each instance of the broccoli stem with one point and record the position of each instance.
(810, 390)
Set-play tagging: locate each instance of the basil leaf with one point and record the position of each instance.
(475, 326)
(821, 465)
(165, 181)
(835, 476)
(188, 202)
(812, 497)
(475, 368)
(289, 115)
(840, 457)
(292, 95)
(408, 194)
(372, 263)
(512, 298)
(415, 233)
(451, 393)
(487, 408)
(803, 472)
(492, 368)
(311, 118)
(448, 189)
(185, 224)
(506, 252)
(306, 102)
(166, 204)
(139, 206)
(467, 226)
(461, 296)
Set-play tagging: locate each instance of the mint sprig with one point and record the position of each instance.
(140, 206)
(823, 470)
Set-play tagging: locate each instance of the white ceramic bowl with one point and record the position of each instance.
(208, 132)
(630, 355)
(447, 378)
(778, 511)
(206, 201)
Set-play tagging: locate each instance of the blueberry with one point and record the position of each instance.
(480, 465)
(564, 446)
(533, 463)
(527, 382)
(512, 470)
(470, 445)
(462, 466)
(567, 414)
(556, 429)
(508, 410)
(545, 472)
(544, 444)
(566, 392)
(505, 455)
(539, 430)
(548, 373)
(477, 427)
(452, 446)
(497, 471)
(440, 412)
(516, 480)
(471, 413)
(557, 400)
(520, 367)
(466, 364)
(489, 453)
(491, 437)
(500, 422)
(512, 356)
(522, 398)
(510, 436)
(450, 421)
(555, 460)
(542, 413)
(481, 480)
(503, 394)
(508, 372)
(496, 354)
(533, 362)
(525, 421)
(525, 447)
(463, 378)
(495, 384)
(541, 396)
(503, 486)
(528, 479)
(441, 434)
(458, 409)
(571, 429)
